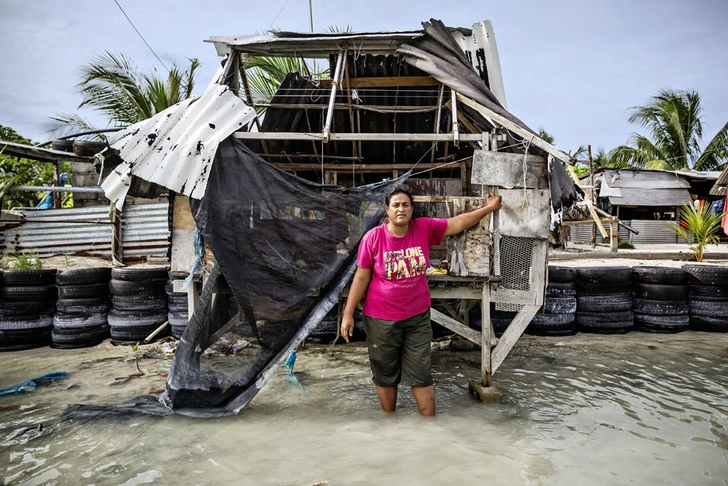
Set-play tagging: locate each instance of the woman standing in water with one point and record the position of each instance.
(392, 271)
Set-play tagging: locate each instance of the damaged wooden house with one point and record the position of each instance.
(282, 191)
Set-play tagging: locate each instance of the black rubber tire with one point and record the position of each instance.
(154, 304)
(85, 336)
(15, 309)
(85, 291)
(177, 331)
(136, 334)
(659, 292)
(660, 307)
(561, 274)
(659, 275)
(141, 319)
(21, 347)
(135, 274)
(28, 277)
(553, 333)
(78, 321)
(600, 288)
(590, 321)
(147, 287)
(27, 322)
(83, 276)
(560, 305)
(28, 293)
(604, 275)
(661, 324)
(84, 309)
(552, 322)
(710, 324)
(22, 336)
(708, 308)
(561, 289)
(706, 274)
(708, 292)
(604, 303)
(179, 319)
(178, 301)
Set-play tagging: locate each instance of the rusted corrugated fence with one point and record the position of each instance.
(88, 231)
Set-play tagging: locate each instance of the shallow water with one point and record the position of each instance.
(630, 409)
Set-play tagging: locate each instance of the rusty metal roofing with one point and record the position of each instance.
(720, 188)
(175, 148)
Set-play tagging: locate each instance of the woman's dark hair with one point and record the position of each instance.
(398, 189)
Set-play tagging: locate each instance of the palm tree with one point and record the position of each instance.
(267, 73)
(111, 84)
(673, 118)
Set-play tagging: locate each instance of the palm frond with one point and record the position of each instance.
(715, 155)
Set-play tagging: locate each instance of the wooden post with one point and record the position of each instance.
(614, 236)
(486, 331)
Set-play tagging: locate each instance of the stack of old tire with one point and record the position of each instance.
(604, 299)
(27, 303)
(707, 297)
(660, 299)
(559, 305)
(83, 303)
(178, 315)
(138, 304)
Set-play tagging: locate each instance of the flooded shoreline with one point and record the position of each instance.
(606, 409)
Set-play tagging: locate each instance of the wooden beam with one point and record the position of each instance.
(386, 82)
(519, 130)
(448, 322)
(588, 202)
(511, 335)
(349, 167)
(364, 137)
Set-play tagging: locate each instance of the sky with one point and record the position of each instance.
(571, 67)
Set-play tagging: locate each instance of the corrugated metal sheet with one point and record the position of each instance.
(651, 197)
(650, 232)
(653, 232)
(87, 231)
(176, 147)
(720, 188)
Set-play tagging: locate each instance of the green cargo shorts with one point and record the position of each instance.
(399, 351)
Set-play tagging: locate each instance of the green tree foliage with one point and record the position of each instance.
(700, 224)
(673, 119)
(22, 172)
(111, 85)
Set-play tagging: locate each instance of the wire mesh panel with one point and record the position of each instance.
(522, 273)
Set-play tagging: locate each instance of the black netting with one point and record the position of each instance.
(284, 248)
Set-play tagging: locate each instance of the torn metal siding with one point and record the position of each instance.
(644, 188)
(87, 231)
(176, 147)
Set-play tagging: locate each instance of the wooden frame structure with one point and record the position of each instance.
(463, 131)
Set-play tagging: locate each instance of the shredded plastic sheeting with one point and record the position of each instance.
(175, 148)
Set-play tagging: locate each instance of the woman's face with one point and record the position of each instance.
(400, 209)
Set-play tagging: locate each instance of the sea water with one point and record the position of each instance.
(587, 409)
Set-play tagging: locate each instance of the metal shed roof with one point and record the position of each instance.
(645, 188)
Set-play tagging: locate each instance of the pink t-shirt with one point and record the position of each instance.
(398, 289)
